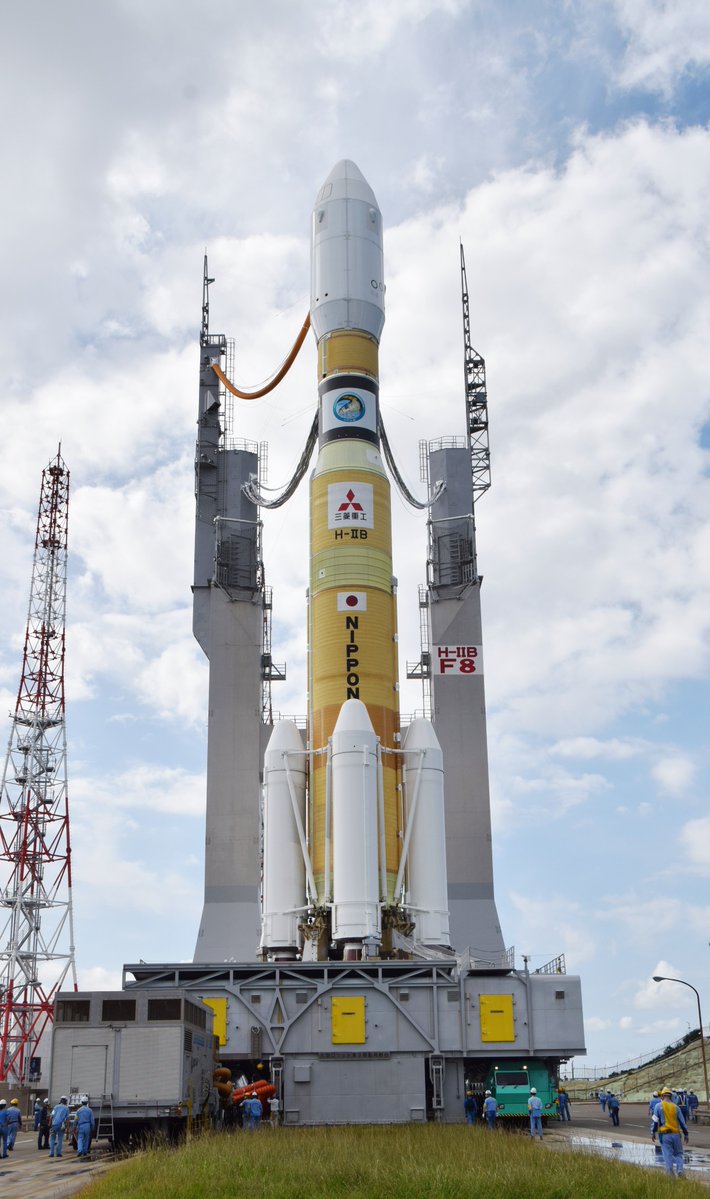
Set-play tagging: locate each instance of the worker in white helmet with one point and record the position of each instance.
(490, 1109)
(85, 1125)
(535, 1110)
(3, 1127)
(57, 1126)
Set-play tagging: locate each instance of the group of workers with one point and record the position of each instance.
(50, 1126)
(687, 1102)
(607, 1099)
(489, 1109)
(80, 1124)
(253, 1109)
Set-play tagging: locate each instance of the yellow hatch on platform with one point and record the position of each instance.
(348, 1020)
(219, 1007)
(497, 1023)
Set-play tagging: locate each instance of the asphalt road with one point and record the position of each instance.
(634, 1121)
(27, 1173)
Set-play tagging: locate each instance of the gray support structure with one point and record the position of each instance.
(228, 619)
(459, 705)
(376, 1042)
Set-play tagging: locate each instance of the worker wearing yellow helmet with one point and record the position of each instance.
(668, 1121)
(14, 1123)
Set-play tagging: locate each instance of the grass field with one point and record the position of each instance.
(394, 1162)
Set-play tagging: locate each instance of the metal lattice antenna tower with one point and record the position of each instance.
(37, 939)
(476, 400)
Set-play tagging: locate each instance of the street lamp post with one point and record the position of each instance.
(661, 978)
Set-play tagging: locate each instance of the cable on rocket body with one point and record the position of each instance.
(251, 489)
(438, 489)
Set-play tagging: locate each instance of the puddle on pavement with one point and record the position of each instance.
(638, 1154)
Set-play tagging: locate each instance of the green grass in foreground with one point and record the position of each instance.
(394, 1162)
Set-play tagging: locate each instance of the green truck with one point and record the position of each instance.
(510, 1083)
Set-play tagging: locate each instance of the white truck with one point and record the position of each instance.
(145, 1058)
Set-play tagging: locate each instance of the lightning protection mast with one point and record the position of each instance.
(37, 938)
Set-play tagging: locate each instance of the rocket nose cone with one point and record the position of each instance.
(353, 718)
(346, 169)
(420, 735)
(346, 179)
(285, 737)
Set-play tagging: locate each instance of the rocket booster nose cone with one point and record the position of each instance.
(420, 735)
(285, 738)
(285, 735)
(353, 718)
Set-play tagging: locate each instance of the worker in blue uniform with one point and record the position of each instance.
(563, 1099)
(652, 1105)
(535, 1110)
(85, 1125)
(490, 1107)
(253, 1111)
(3, 1127)
(669, 1123)
(14, 1123)
(613, 1104)
(469, 1108)
(43, 1129)
(57, 1125)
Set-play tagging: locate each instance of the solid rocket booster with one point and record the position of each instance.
(284, 881)
(356, 890)
(352, 595)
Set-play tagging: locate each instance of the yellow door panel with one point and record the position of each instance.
(497, 1023)
(348, 1020)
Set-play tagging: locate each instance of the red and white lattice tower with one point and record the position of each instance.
(37, 939)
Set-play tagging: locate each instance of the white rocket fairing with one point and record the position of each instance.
(347, 261)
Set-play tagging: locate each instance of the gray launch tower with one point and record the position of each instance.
(230, 615)
(451, 665)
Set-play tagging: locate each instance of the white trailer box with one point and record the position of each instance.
(145, 1059)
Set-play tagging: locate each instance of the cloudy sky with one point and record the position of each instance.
(567, 143)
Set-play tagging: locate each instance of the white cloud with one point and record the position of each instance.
(643, 920)
(613, 748)
(666, 40)
(98, 978)
(571, 932)
(660, 996)
(695, 839)
(596, 1024)
(674, 775)
(143, 788)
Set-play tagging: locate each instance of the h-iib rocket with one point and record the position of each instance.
(353, 832)
(354, 804)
